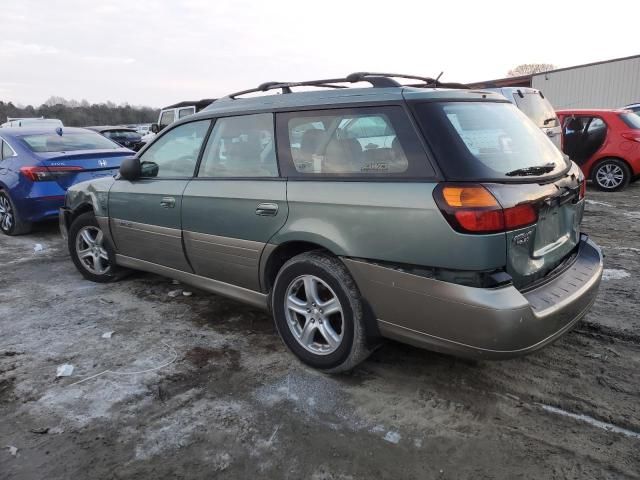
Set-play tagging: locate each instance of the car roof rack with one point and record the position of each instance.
(376, 80)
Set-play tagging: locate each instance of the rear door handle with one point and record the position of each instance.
(267, 209)
(168, 202)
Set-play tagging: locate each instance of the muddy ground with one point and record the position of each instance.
(220, 397)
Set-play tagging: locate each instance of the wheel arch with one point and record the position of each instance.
(275, 256)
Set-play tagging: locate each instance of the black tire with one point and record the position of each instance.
(12, 225)
(330, 272)
(87, 221)
(614, 165)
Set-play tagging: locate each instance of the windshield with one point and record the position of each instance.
(538, 109)
(631, 119)
(67, 142)
(487, 141)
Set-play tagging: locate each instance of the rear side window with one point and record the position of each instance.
(68, 142)
(241, 147)
(355, 142)
(487, 141)
(167, 118)
(185, 112)
(6, 151)
(632, 120)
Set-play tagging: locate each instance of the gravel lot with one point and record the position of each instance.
(220, 397)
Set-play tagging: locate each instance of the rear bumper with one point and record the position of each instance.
(35, 209)
(478, 322)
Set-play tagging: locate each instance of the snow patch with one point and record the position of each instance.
(392, 437)
(614, 274)
(609, 427)
(595, 202)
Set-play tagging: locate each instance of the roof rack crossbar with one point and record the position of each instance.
(376, 80)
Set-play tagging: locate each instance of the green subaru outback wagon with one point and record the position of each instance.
(426, 213)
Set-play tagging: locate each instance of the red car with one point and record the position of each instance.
(605, 143)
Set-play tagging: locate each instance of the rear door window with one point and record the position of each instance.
(241, 147)
(487, 141)
(355, 142)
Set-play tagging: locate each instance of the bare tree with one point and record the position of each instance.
(530, 69)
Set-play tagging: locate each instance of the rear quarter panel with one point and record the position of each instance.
(386, 221)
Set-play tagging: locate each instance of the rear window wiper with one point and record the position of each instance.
(535, 170)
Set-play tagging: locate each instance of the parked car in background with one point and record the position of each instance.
(605, 143)
(127, 137)
(634, 107)
(177, 111)
(346, 228)
(39, 164)
(143, 128)
(535, 106)
(32, 122)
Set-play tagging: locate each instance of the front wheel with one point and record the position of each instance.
(90, 251)
(611, 175)
(319, 312)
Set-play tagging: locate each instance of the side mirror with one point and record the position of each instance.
(130, 168)
(155, 128)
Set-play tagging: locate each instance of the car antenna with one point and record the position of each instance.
(438, 77)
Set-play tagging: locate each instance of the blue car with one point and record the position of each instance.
(38, 164)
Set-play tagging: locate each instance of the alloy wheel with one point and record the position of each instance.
(6, 213)
(609, 176)
(314, 315)
(91, 251)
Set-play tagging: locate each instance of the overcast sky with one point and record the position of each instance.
(159, 52)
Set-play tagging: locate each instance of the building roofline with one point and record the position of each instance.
(602, 62)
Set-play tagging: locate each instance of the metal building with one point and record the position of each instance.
(608, 84)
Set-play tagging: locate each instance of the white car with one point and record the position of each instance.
(32, 122)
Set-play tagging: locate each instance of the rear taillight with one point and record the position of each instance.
(44, 174)
(473, 209)
(634, 137)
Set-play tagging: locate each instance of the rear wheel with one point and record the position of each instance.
(91, 253)
(10, 221)
(319, 312)
(611, 175)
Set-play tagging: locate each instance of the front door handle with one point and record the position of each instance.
(168, 202)
(267, 209)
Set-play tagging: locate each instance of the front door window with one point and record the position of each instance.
(176, 152)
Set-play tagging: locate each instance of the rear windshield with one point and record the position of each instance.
(128, 134)
(67, 142)
(631, 119)
(487, 141)
(538, 109)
